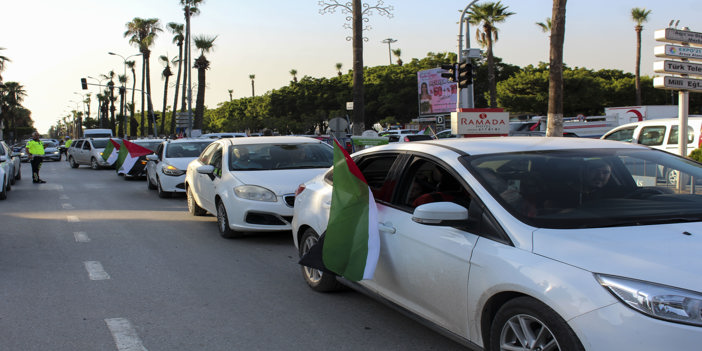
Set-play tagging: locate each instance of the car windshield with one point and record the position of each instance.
(280, 156)
(49, 144)
(592, 187)
(101, 143)
(149, 144)
(186, 149)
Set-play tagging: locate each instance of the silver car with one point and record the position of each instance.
(10, 163)
(88, 152)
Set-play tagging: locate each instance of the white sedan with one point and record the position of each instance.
(529, 243)
(249, 183)
(165, 170)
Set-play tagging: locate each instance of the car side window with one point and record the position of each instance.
(626, 135)
(425, 181)
(673, 138)
(206, 154)
(376, 170)
(159, 151)
(216, 160)
(652, 135)
(86, 145)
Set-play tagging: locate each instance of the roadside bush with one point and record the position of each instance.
(696, 155)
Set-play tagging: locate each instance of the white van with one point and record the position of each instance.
(97, 133)
(659, 134)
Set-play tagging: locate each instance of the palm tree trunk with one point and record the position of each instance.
(555, 77)
(638, 65)
(165, 101)
(200, 101)
(132, 121)
(143, 83)
(152, 125)
(186, 59)
(358, 103)
(177, 85)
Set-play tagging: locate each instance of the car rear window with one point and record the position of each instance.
(280, 156)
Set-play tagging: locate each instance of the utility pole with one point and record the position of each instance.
(389, 41)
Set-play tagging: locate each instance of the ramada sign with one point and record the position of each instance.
(480, 122)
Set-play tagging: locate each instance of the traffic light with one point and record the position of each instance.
(451, 72)
(465, 75)
(84, 83)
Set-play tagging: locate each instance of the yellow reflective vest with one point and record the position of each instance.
(35, 147)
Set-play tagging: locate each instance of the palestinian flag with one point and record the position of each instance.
(110, 152)
(351, 244)
(128, 155)
(428, 131)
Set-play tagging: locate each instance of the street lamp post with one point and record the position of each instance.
(465, 98)
(389, 41)
(122, 91)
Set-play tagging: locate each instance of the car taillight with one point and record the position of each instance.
(406, 139)
(300, 189)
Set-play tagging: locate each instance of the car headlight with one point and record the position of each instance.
(172, 171)
(256, 193)
(658, 301)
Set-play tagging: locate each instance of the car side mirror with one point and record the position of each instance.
(3, 158)
(152, 157)
(440, 213)
(206, 169)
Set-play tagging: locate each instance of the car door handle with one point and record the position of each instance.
(386, 228)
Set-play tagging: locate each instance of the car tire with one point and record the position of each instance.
(94, 163)
(149, 184)
(19, 174)
(193, 207)
(316, 279)
(13, 179)
(3, 192)
(72, 162)
(223, 222)
(508, 328)
(163, 194)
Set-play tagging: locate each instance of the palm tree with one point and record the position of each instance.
(13, 95)
(252, 77)
(486, 16)
(122, 78)
(338, 68)
(230, 91)
(545, 26)
(3, 59)
(142, 33)
(639, 16)
(111, 99)
(165, 74)
(555, 75)
(293, 73)
(190, 8)
(205, 44)
(397, 53)
(132, 121)
(178, 38)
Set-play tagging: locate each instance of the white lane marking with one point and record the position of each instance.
(95, 270)
(81, 237)
(72, 219)
(124, 334)
(64, 197)
(67, 206)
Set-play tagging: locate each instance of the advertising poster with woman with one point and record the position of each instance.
(436, 94)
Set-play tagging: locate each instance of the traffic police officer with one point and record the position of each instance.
(35, 150)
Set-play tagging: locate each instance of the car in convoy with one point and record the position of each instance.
(529, 243)
(249, 183)
(10, 161)
(4, 184)
(659, 134)
(139, 168)
(20, 149)
(88, 151)
(51, 150)
(222, 135)
(165, 170)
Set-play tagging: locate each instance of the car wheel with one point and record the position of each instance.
(94, 163)
(72, 162)
(193, 207)
(163, 194)
(150, 184)
(223, 222)
(12, 179)
(19, 174)
(527, 324)
(3, 192)
(316, 279)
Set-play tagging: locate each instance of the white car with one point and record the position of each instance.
(165, 170)
(530, 243)
(249, 183)
(10, 161)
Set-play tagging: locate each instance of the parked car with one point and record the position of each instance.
(4, 184)
(20, 150)
(249, 183)
(165, 170)
(88, 152)
(445, 134)
(10, 164)
(659, 134)
(139, 168)
(529, 243)
(51, 150)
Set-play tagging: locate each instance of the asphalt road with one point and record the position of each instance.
(89, 261)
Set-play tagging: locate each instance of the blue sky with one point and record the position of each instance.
(52, 44)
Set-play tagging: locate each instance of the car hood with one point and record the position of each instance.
(665, 254)
(284, 181)
(180, 162)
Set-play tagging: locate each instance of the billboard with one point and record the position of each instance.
(436, 95)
